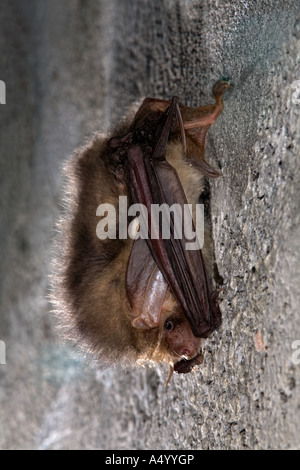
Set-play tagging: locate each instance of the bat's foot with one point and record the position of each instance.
(221, 86)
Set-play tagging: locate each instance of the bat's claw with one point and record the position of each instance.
(215, 294)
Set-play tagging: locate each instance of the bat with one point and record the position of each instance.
(142, 298)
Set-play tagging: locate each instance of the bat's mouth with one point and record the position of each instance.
(184, 366)
(186, 356)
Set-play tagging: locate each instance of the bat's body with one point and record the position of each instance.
(134, 300)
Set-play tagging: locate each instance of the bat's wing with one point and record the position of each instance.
(154, 181)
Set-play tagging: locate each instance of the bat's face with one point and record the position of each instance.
(177, 343)
(154, 307)
(178, 336)
(178, 346)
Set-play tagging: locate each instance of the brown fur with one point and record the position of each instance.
(89, 284)
(88, 288)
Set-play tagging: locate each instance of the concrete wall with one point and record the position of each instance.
(72, 68)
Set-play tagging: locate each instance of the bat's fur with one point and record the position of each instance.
(88, 287)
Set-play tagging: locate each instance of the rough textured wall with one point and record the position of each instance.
(72, 68)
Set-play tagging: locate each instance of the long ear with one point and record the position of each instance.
(149, 107)
(196, 122)
(146, 287)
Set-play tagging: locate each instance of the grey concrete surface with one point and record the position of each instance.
(72, 68)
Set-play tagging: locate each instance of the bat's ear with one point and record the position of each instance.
(150, 106)
(145, 286)
(205, 116)
(145, 321)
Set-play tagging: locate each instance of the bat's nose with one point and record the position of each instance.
(185, 352)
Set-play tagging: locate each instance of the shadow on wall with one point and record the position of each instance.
(261, 49)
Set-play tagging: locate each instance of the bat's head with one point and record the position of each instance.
(176, 336)
(176, 344)
(155, 309)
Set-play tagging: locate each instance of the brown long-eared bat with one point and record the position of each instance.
(138, 298)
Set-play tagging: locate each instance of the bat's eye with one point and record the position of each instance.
(169, 325)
